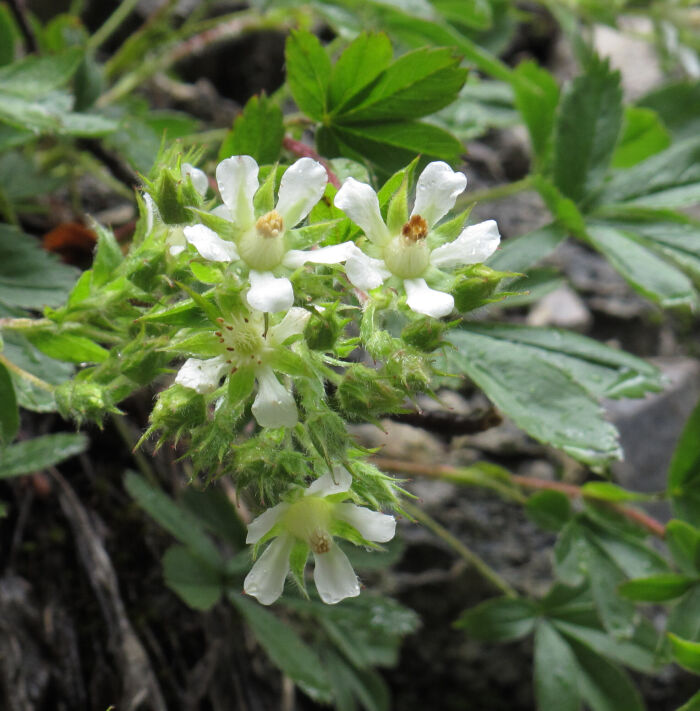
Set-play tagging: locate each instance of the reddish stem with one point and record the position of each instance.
(303, 151)
(527, 482)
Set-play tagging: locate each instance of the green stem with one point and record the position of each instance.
(496, 193)
(29, 377)
(112, 23)
(472, 558)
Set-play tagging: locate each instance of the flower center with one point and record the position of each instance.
(408, 256)
(262, 247)
(270, 225)
(242, 340)
(320, 541)
(415, 229)
(309, 520)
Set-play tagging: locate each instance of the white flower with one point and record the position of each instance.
(408, 255)
(309, 521)
(262, 243)
(247, 347)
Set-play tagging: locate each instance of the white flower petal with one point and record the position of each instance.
(261, 525)
(269, 294)
(201, 375)
(334, 577)
(265, 581)
(222, 211)
(424, 300)
(372, 525)
(151, 212)
(334, 254)
(237, 178)
(476, 244)
(437, 189)
(209, 244)
(176, 249)
(274, 405)
(365, 272)
(293, 323)
(302, 186)
(338, 482)
(360, 203)
(198, 177)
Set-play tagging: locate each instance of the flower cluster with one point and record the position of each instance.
(271, 334)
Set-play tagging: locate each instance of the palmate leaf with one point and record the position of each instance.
(587, 127)
(257, 132)
(9, 414)
(547, 381)
(684, 472)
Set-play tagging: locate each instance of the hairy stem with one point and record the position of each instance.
(461, 476)
(29, 377)
(472, 558)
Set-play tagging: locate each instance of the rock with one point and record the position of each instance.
(562, 308)
(650, 427)
(399, 441)
(635, 58)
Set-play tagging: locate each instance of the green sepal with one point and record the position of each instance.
(224, 228)
(450, 230)
(286, 361)
(209, 309)
(203, 344)
(476, 286)
(206, 273)
(297, 565)
(397, 212)
(264, 199)
(394, 182)
(344, 530)
(240, 384)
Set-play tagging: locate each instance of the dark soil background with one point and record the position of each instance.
(85, 618)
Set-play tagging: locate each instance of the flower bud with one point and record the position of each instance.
(178, 407)
(173, 195)
(364, 393)
(83, 401)
(424, 334)
(476, 286)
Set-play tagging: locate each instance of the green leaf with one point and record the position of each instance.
(683, 540)
(537, 395)
(217, 513)
(350, 683)
(643, 135)
(30, 277)
(9, 413)
(9, 34)
(395, 142)
(646, 273)
(607, 491)
(657, 588)
(108, 256)
(587, 128)
(198, 584)
(536, 98)
(602, 370)
(308, 73)
(686, 653)
(550, 510)
(33, 455)
(417, 84)
(179, 522)
(604, 686)
(678, 106)
(257, 132)
(692, 704)
(684, 472)
(501, 619)
(684, 620)
(668, 179)
(34, 77)
(30, 395)
(68, 347)
(365, 58)
(286, 649)
(556, 671)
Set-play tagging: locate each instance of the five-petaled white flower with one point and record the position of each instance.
(308, 522)
(246, 348)
(411, 254)
(262, 243)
